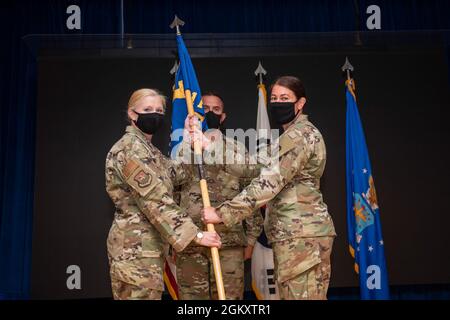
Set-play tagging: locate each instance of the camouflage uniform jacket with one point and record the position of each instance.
(225, 180)
(290, 187)
(139, 180)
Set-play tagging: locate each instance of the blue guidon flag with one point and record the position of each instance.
(363, 216)
(185, 84)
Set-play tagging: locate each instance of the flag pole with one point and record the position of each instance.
(203, 184)
(347, 68)
(260, 72)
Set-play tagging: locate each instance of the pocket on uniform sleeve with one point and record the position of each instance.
(152, 246)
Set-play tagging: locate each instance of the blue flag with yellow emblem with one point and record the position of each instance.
(363, 217)
(185, 84)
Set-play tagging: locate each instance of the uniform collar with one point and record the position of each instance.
(134, 131)
(301, 118)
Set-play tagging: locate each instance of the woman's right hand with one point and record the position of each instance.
(192, 132)
(209, 239)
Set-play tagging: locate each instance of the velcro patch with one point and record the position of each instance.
(286, 144)
(130, 167)
(142, 178)
(289, 141)
(292, 134)
(139, 178)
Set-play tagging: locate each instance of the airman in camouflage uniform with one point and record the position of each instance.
(139, 180)
(195, 275)
(299, 226)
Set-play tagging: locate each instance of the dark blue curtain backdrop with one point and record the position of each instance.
(17, 131)
(409, 15)
(18, 75)
(242, 16)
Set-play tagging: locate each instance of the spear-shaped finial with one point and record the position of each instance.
(174, 69)
(176, 23)
(260, 72)
(347, 67)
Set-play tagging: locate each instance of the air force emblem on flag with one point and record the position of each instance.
(363, 213)
(364, 208)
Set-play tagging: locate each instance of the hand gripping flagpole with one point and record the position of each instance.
(203, 185)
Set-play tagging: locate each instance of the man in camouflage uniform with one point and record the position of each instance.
(299, 227)
(195, 275)
(139, 180)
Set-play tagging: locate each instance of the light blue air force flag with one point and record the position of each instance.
(363, 217)
(186, 84)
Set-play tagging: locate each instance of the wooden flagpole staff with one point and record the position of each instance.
(203, 185)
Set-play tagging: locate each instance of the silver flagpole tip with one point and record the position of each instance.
(260, 70)
(177, 22)
(347, 65)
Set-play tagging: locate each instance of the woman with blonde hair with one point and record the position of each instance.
(140, 182)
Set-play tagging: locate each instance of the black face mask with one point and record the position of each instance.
(149, 123)
(282, 112)
(213, 120)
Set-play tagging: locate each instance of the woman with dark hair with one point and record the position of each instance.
(299, 227)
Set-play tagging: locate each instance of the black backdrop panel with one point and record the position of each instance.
(401, 96)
